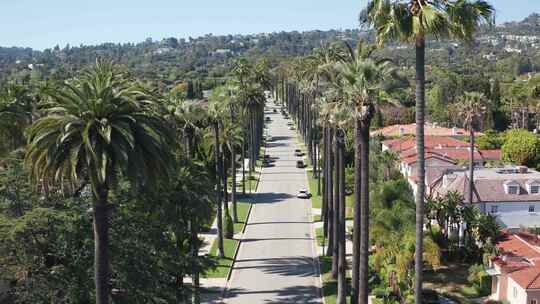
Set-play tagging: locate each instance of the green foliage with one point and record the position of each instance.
(480, 279)
(490, 140)
(521, 147)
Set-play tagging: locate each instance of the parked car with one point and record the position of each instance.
(275, 111)
(289, 123)
(292, 128)
(300, 164)
(304, 194)
(269, 138)
(268, 118)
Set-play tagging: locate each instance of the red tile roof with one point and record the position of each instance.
(520, 258)
(406, 143)
(410, 129)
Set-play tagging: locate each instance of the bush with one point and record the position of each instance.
(480, 280)
(228, 225)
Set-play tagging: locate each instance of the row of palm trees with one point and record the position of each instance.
(104, 127)
(336, 89)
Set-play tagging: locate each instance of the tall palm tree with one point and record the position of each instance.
(96, 127)
(471, 108)
(413, 21)
(363, 79)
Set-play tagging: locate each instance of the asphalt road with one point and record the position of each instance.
(276, 260)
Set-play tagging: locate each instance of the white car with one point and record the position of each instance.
(304, 194)
(269, 138)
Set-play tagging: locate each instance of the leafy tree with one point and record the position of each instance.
(521, 147)
(96, 127)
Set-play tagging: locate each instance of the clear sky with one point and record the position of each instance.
(44, 23)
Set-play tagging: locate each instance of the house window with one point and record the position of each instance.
(494, 209)
(515, 292)
(513, 189)
(533, 301)
(534, 189)
(531, 208)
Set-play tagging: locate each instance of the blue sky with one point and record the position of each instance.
(44, 23)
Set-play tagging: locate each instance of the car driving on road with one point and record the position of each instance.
(304, 194)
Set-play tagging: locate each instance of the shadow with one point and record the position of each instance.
(274, 144)
(277, 138)
(297, 294)
(270, 197)
(278, 239)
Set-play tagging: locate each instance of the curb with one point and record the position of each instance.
(314, 247)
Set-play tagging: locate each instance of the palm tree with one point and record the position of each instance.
(413, 21)
(96, 127)
(15, 115)
(471, 108)
(363, 78)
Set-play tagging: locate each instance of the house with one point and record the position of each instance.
(511, 194)
(442, 154)
(410, 129)
(515, 272)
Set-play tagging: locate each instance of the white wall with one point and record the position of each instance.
(520, 296)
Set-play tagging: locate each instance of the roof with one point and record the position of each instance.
(440, 142)
(410, 129)
(520, 258)
(489, 185)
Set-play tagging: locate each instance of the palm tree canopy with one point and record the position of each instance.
(363, 78)
(407, 20)
(97, 125)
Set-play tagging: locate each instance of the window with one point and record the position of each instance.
(533, 301)
(534, 189)
(494, 209)
(515, 292)
(512, 189)
(531, 208)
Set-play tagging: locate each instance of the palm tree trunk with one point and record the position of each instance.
(330, 193)
(219, 216)
(420, 108)
(471, 165)
(101, 247)
(363, 291)
(342, 262)
(233, 188)
(335, 249)
(356, 221)
(244, 166)
(196, 299)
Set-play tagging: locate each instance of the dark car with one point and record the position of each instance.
(300, 164)
(275, 111)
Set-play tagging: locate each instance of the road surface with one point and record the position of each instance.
(276, 260)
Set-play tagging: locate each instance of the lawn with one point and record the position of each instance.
(451, 281)
(329, 284)
(229, 246)
(224, 263)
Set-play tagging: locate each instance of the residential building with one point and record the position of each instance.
(515, 271)
(410, 129)
(511, 194)
(442, 154)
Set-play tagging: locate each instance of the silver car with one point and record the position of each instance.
(303, 194)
